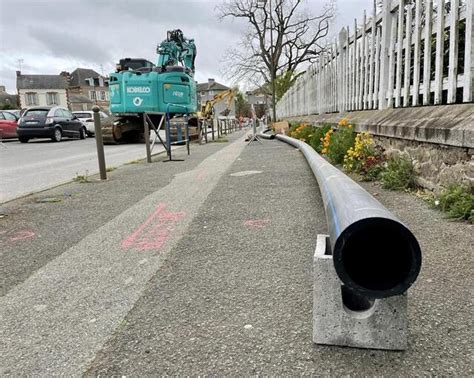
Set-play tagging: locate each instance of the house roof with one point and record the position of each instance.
(41, 82)
(77, 98)
(215, 86)
(79, 76)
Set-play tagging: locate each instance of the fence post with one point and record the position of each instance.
(387, 19)
(427, 52)
(468, 90)
(453, 51)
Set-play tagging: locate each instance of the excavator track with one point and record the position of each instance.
(122, 129)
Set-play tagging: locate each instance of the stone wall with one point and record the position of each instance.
(436, 165)
(438, 139)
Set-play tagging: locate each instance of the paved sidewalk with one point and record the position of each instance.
(218, 282)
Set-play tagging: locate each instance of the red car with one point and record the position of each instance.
(8, 124)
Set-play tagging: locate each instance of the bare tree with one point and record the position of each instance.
(297, 38)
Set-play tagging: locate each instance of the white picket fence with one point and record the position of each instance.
(388, 62)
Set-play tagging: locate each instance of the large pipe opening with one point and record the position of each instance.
(378, 257)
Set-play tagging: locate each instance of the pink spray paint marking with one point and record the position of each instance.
(22, 235)
(154, 232)
(201, 176)
(257, 223)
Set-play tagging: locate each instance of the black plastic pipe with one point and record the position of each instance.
(374, 253)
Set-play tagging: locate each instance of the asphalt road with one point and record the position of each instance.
(42, 164)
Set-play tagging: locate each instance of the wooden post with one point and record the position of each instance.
(398, 90)
(372, 58)
(468, 88)
(391, 70)
(406, 85)
(416, 54)
(427, 53)
(384, 53)
(438, 90)
(362, 65)
(377, 68)
(453, 51)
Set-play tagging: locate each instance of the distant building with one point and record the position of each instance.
(207, 91)
(88, 88)
(7, 101)
(41, 90)
(261, 101)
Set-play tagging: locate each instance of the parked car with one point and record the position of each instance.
(15, 112)
(8, 123)
(52, 122)
(87, 118)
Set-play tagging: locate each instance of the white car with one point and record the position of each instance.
(87, 118)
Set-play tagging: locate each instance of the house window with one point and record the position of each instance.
(93, 95)
(31, 98)
(52, 98)
(103, 96)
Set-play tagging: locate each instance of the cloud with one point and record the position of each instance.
(60, 35)
(68, 45)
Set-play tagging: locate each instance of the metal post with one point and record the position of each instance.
(99, 143)
(147, 139)
(186, 130)
(212, 128)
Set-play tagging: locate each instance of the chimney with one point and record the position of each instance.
(18, 73)
(210, 83)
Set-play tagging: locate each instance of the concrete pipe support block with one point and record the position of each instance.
(345, 318)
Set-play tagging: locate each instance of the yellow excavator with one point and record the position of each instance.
(207, 110)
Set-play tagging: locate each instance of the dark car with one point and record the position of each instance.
(8, 125)
(49, 122)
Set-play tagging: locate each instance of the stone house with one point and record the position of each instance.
(207, 91)
(7, 100)
(42, 90)
(88, 88)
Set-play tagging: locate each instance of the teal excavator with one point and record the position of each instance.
(139, 86)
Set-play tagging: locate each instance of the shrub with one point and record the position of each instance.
(457, 201)
(336, 144)
(398, 174)
(373, 167)
(317, 135)
(302, 132)
(363, 149)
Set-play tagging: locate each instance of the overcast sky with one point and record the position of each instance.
(51, 36)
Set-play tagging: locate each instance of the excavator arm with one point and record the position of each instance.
(207, 109)
(175, 50)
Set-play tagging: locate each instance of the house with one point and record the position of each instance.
(261, 101)
(7, 101)
(41, 90)
(88, 88)
(207, 91)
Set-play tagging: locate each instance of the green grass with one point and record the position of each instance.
(457, 202)
(110, 169)
(398, 174)
(82, 179)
